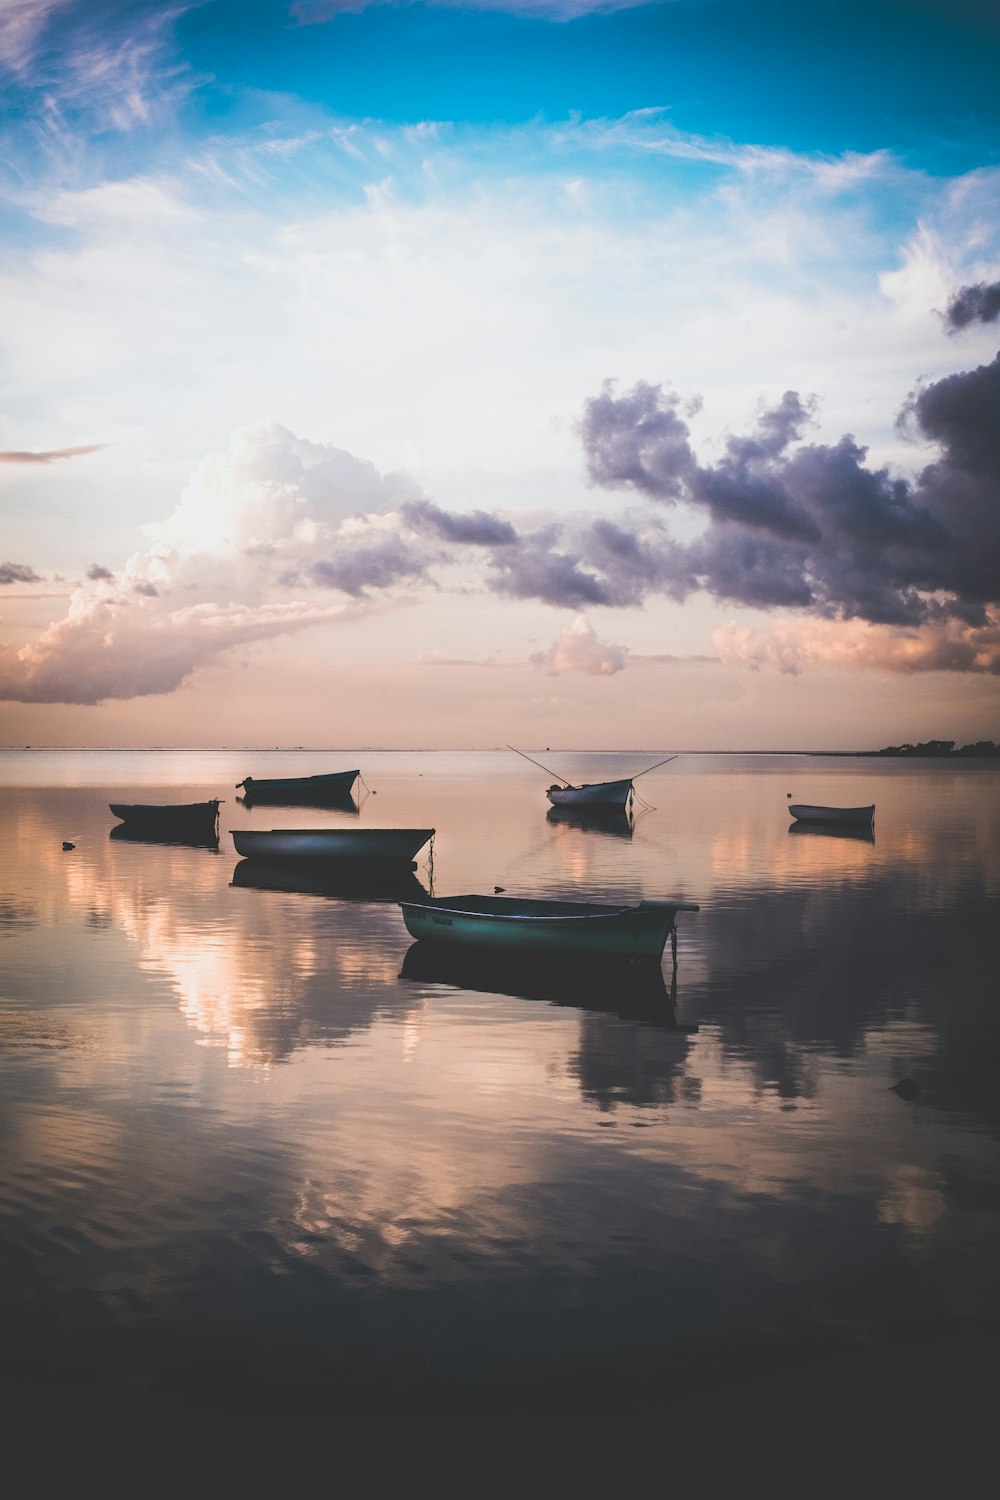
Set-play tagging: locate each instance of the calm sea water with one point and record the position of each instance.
(258, 1164)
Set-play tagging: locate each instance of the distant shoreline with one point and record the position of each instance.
(983, 750)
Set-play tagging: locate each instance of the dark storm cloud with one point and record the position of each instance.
(25, 456)
(18, 573)
(533, 569)
(973, 304)
(638, 441)
(475, 528)
(808, 526)
(376, 566)
(96, 572)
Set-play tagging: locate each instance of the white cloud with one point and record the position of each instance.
(794, 644)
(220, 572)
(578, 649)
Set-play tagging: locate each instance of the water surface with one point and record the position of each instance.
(262, 1162)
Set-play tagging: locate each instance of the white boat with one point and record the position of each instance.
(358, 844)
(529, 925)
(614, 794)
(804, 812)
(592, 794)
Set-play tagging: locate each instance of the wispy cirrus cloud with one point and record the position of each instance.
(47, 456)
(321, 12)
(113, 64)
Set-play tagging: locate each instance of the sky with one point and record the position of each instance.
(441, 375)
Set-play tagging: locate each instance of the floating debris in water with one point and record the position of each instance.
(906, 1088)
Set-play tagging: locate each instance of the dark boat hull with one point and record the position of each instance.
(306, 791)
(509, 924)
(356, 844)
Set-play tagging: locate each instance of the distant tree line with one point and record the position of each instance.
(940, 748)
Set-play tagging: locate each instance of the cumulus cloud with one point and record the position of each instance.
(279, 533)
(14, 456)
(18, 573)
(273, 514)
(973, 304)
(811, 526)
(795, 645)
(578, 649)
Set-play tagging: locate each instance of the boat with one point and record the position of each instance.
(345, 879)
(605, 794)
(633, 989)
(526, 924)
(360, 844)
(307, 790)
(803, 812)
(614, 794)
(328, 801)
(182, 819)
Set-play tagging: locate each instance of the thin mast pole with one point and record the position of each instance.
(543, 768)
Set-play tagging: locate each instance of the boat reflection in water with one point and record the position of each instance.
(617, 821)
(357, 880)
(631, 988)
(135, 834)
(346, 802)
(860, 834)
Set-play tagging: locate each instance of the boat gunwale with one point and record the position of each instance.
(648, 909)
(348, 833)
(166, 809)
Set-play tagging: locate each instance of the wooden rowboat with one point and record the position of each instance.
(180, 818)
(614, 794)
(331, 843)
(804, 812)
(592, 794)
(529, 925)
(335, 786)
